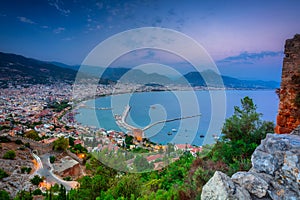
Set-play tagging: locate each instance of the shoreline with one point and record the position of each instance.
(77, 106)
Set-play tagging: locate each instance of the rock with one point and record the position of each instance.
(296, 131)
(278, 155)
(220, 186)
(251, 182)
(275, 173)
(264, 162)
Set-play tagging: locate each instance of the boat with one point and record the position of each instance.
(202, 136)
(174, 130)
(169, 133)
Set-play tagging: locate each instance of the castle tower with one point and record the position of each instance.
(288, 117)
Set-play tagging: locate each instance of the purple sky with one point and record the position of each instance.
(245, 38)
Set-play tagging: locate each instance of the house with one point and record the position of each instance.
(67, 167)
(183, 147)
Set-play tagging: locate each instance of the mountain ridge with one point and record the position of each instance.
(21, 70)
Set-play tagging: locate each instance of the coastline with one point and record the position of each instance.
(75, 108)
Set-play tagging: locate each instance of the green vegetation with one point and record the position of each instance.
(182, 179)
(242, 134)
(52, 159)
(3, 174)
(32, 134)
(26, 169)
(59, 106)
(4, 195)
(36, 180)
(61, 144)
(18, 141)
(37, 192)
(141, 164)
(78, 149)
(10, 154)
(23, 195)
(4, 139)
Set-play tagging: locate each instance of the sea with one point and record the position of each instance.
(208, 111)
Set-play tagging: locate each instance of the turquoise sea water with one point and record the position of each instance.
(149, 107)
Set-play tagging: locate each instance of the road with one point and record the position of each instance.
(45, 169)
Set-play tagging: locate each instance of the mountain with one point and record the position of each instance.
(18, 69)
(196, 79)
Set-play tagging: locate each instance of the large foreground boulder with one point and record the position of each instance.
(275, 173)
(220, 186)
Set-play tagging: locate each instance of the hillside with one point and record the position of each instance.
(16, 69)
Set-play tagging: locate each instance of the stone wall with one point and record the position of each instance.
(35, 145)
(288, 117)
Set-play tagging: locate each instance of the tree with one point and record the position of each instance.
(32, 134)
(11, 154)
(71, 141)
(61, 144)
(3, 174)
(246, 124)
(127, 186)
(36, 180)
(128, 140)
(52, 159)
(4, 194)
(18, 141)
(23, 195)
(142, 164)
(242, 134)
(37, 192)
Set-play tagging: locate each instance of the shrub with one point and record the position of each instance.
(68, 178)
(11, 154)
(4, 194)
(25, 169)
(61, 144)
(36, 180)
(27, 145)
(3, 174)
(37, 192)
(242, 134)
(18, 142)
(4, 139)
(52, 159)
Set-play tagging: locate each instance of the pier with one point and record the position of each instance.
(169, 120)
(121, 120)
(96, 108)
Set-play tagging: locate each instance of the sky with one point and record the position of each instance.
(244, 38)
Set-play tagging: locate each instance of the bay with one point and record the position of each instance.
(150, 107)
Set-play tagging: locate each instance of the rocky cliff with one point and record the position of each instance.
(288, 117)
(275, 173)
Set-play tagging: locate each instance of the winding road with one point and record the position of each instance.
(45, 169)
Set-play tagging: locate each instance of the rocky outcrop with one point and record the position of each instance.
(288, 117)
(275, 173)
(220, 186)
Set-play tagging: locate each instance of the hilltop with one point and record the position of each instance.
(17, 69)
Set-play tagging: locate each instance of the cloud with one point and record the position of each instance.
(26, 20)
(45, 26)
(59, 5)
(248, 58)
(59, 30)
(68, 38)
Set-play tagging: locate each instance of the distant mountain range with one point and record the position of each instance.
(17, 69)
